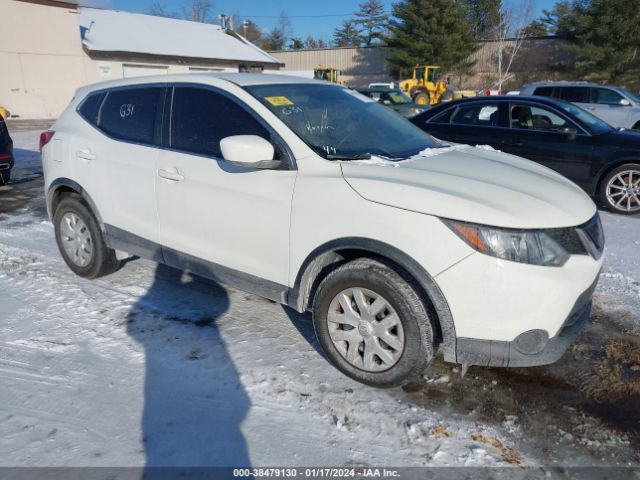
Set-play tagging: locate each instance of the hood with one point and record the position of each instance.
(473, 184)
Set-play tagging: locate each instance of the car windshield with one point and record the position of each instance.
(340, 123)
(593, 123)
(632, 96)
(396, 97)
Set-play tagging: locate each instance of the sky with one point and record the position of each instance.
(308, 18)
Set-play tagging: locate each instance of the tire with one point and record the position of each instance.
(5, 177)
(94, 258)
(620, 189)
(413, 328)
(421, 98)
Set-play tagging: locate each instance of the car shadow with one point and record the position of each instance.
(304, 325)
(194, 401)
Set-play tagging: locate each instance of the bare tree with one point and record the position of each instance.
(510, 34)
(199, 11)
(160, 10)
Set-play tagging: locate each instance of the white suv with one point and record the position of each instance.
(314, 196)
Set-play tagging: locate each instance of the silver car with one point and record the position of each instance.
(615, 105)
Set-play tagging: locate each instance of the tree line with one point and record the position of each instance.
(602, 35)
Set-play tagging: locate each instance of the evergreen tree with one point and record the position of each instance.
(296, 43)
(432, 32)
(537, 28)
(274, 40)
(483, 17)
(604, 36)
(372, 20)
(348, 35)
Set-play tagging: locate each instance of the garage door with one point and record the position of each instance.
(142, 70)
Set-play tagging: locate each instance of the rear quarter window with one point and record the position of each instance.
(90, 107)
(130, 114)
(543, 91)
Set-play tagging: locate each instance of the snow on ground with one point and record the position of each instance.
(152, 366)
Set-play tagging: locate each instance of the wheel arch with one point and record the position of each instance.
(330, 255)
(612, 166)
(62, 187)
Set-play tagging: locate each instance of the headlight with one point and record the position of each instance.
(534, 247)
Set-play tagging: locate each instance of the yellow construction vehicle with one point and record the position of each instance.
(328, 74)
(425, 88)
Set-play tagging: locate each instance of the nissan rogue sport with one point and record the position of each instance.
(317, 197)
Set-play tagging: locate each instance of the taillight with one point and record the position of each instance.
(45, 137)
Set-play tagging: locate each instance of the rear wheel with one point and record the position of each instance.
(80, 240)
(620, 189)
(372, 324)
(5, 177)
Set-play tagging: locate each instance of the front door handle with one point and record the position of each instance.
(170, 173)
(85, 154)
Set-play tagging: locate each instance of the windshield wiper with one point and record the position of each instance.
(361, 156)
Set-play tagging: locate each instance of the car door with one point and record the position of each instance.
(472, 123)
(116, 163)
(217, 219)
(609, 105)
(545, 135)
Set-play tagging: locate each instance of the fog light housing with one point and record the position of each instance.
(531, 342)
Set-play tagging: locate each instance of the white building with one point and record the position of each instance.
(49, 48)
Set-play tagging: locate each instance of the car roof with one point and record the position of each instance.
(501, 98)
(381, 88)
(564, 83)
(240, 79)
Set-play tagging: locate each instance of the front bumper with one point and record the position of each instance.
(531, 348)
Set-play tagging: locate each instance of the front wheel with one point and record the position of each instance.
(421, 98)
(620, 189)
(80, 240)
(372, 325)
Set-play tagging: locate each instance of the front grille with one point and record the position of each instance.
(585, 239)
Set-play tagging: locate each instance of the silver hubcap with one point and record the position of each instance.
(365, 329)
(623, 191)
(76, 239)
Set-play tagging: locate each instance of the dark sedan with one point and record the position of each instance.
(604, 161)
(6, 153)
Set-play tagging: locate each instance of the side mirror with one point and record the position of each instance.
(250, 151)
(570, 132)
(625, 103)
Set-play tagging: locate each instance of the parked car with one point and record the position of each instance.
(615, 105)
(267, 183)
(395, 99)
(605, 162)
(6, 153)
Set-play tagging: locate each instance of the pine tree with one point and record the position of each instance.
(274, 40)
(483, 17)
(432, 32)
(372, 20)
(348, 35)
(604, 36)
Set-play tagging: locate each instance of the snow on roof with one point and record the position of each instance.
(117, 31)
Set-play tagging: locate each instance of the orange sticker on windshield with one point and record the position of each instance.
(279, 101)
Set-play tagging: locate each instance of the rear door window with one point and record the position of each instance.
(202, 117)
(130, 114)
(574, 94)
(483, 114)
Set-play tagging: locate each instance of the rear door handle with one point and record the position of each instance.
(170, 173)
(85, 154)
